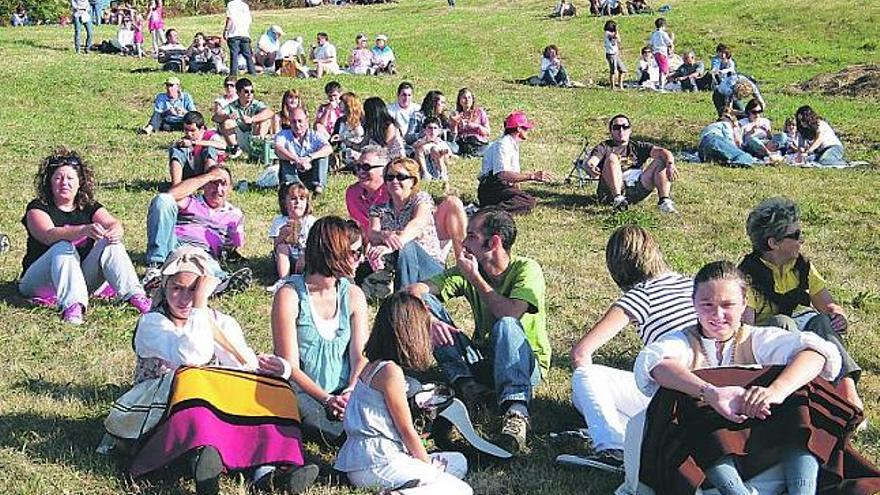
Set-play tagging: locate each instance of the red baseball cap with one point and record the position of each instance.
(517, 119)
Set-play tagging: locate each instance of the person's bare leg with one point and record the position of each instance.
(847, 389)
(612, 174)
(654, 176)
(262, 129)
(451, 222)
(227, 129)
(282, 260)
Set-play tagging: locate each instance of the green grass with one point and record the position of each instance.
(57, 382)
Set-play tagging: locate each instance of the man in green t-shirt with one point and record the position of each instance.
(242, 119)
(506, 295)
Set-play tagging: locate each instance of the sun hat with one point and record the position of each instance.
(189, 259)
(277, 29)
(381, 37)
(172, 81)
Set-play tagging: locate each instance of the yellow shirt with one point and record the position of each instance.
(785, 278)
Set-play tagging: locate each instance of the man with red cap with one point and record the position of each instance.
(501, 175)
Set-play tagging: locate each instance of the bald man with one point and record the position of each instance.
(303, 154)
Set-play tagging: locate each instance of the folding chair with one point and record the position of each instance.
(578, 175)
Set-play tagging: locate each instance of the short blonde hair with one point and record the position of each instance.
(633, 256)
(412, 168)
(743, 90)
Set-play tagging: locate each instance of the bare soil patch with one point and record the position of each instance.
(855, 80)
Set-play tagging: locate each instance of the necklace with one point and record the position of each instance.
(734, 338)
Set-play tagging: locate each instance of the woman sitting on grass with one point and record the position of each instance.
(383, 449)
(74, 244)
(720, 339)
(552, 72)
(721, 141)
(319, 325)
(405, 226)
(656, 300)
(380, 127)
(818, 139)
(182, 330)
(471, 125)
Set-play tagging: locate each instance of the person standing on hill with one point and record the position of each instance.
(237, 33)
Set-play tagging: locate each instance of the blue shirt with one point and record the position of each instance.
(309, 144)
(164, 103)
(726, 86)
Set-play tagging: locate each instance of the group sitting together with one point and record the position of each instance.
(349, 384)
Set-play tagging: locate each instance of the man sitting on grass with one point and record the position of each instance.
(243, 119)
(169, 108)
(207, 221)
(625, 176)
(198, 150)
(510, 349)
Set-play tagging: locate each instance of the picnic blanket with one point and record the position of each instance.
(250, 419)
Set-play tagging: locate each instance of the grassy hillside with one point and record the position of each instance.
(58, 381)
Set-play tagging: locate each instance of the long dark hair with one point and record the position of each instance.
(807, 122)
(429, 102)
(376, 120)
(62, 157)
(400, 332)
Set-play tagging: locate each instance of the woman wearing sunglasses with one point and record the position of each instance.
(74, 244)
(404, 226)
(319, 325)
(787, 291)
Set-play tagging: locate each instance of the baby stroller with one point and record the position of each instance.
(579, 175)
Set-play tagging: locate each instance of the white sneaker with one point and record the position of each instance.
(152, 278)
(277, 285)
(620, 203)
(667, 206)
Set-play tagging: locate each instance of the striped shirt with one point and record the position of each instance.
(660, 305)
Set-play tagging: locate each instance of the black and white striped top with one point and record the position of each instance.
(660, 305)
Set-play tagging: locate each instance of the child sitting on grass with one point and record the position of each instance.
(290, 229)
(383, 449)
(432, 152)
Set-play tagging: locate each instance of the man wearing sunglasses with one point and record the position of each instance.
(787, 291)
(169, 108)
(243, 119)
(625, 174)
(501, 175)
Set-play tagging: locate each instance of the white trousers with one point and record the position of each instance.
(403, 468)
(60, 272)
(607, 398)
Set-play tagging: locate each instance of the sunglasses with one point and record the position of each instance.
(795, 236)
(247, 91)
(397, 177)
(366, 167)
(67, 161)
(620, 127)
(230, 85)
(757, 110)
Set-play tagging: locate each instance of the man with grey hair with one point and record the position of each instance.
(691, 74)
(786, 290)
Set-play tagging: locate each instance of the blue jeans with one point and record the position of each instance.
(716, 148)
(801, 471)
(161, 238)
(414, 264)
(509, 365)
(95, 13)
(311, 178)
(239, 45)
(831, 156)
(77, 29)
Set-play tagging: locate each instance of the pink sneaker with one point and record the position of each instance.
(44, 301)
(73, 314)
(141, 303)
(107, 293)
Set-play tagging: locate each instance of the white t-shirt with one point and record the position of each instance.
(660, 42)
(826, 136)
(327, 50)
(239, 15)
(402, 115)
(760, 128)
(291, 49)
(770, 345)
(269, 43)
(612, 47)
(501, 156)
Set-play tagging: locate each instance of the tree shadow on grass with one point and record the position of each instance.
(9, 294)
(565, 196)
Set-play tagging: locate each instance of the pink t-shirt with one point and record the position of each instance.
(359, 201)
(211, 229)
(156, 21)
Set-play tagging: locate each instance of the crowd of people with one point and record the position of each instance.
(332, 376)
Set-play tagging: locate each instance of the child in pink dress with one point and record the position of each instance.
(156, 25)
